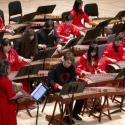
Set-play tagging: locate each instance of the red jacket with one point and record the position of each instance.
(77, 19)
(13, 58)
(2, 27)
(7, 107)
(110, 53)
(64, 31)
(83, 65)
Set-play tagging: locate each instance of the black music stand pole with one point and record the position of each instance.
(37, 113)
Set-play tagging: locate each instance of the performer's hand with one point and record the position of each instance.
(42, 46)
(101, 71)
(60, 87)
(27, 60)
(12, 32)
(85, 73)
(19, 94)
(59, 48)
(112, 60)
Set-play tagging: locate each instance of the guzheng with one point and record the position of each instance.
(115, 67)
(13, 37)
(20, 77)
(107, 79)
(43, 17)
(93, 92)
(77, 50)
(47, 64)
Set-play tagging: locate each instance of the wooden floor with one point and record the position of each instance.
(107, 8)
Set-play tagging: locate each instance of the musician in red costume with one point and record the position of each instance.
(10, 54)
(4, 29)
(88, 62)
(112, 53)
(66, 30)
(79, 15)
(7, 94)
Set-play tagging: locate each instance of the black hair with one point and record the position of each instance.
(68, 17)
(92, 47)
(6, 42)
(117, 38)
(4, 65)
(76, 5)
(49, 23)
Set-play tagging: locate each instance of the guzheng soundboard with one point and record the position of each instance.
(107, 79)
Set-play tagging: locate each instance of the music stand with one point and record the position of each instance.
(27, 17)
(72, 88)
(45, 9)
(120, 14)
(29, 70)
(37, 94)
(70, 43)
(43, 54)
(92, 34)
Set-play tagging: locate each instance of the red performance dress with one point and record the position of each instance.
(77, 18)
(64, 31)
(7, 107)
(15, 64)
(110, 53)
(83, 65)
(2, 27)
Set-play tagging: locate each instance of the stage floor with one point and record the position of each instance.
(107, 8)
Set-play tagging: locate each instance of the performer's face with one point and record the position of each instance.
(67, 63)
(7, 48)
(93, 53)
(80, 6)
(117, 43)
(68, 23)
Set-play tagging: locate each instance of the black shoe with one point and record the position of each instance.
(77, 117)
(67, 119)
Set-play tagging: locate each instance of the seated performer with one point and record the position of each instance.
(7, 95)
(112, 53)
(64, 73)
(88, 62)
(27, 45)
(47, 36)
(66, 31)
(16, 61)
(4, 29)
(10, 54)
(79, 15)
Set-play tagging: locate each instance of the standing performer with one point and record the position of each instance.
(7, 94)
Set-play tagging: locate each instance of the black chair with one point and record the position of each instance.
(91, 10)
(101, 49)
(15, 11)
